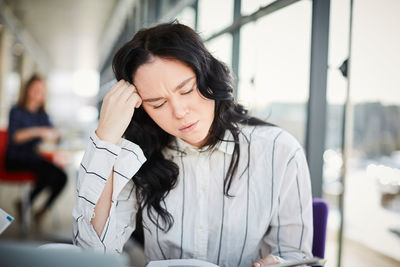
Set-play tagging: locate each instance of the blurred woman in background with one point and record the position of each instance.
(29, 124)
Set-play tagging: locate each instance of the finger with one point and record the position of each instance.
(112, 91)
(268, 260)
(139, 102)
(132, 89)
(125, 91)
(128, 91)
(116, 89)
(121, 89)
(116, 86)
(136, 90)
(135, 100)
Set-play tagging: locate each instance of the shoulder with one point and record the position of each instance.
(265, 136)
(16, 111)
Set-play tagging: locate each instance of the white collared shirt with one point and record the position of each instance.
(270, 211)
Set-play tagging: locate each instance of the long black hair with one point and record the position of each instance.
(158, 175)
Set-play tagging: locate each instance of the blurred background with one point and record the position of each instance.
(326, 71)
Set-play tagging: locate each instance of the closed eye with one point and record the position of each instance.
(188, 92)
(160, 105)
(185, 93)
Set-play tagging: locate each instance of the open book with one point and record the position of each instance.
(200, 263)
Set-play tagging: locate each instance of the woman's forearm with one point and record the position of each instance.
(103, 206)
(24, 135)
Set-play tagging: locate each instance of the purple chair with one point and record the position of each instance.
(320, 219)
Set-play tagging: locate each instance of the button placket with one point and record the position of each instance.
(202, 217)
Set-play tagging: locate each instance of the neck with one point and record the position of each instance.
(32, 107)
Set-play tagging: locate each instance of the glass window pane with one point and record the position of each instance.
(372, 199)
(221, 48)
(373, 183)
(251, 6)
(187, 16)
(336, 97)
(214, 16)
(274, 67)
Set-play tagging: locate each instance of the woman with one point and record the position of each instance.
(28, 125)
(212, 182)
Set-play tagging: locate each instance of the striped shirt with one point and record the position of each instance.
(270, 211)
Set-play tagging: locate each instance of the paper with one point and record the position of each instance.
(5, 220)
(181, 263)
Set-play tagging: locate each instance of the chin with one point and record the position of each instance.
(200, 141)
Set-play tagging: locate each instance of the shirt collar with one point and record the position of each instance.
(227, 145)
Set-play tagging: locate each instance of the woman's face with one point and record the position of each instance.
(171, 98)
(36, 93)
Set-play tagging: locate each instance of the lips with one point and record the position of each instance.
(188, 127)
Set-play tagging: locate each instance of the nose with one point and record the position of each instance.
(179, 109)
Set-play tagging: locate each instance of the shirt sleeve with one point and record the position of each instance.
(291, 230)
(100, 159)
(14, 123)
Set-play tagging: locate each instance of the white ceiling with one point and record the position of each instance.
(66, 31)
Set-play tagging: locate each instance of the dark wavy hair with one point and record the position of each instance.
(158, 175)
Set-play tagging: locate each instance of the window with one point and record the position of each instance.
(187, 16)
(372, 198)
(251, 6)
(211, 18)
(221, 48)
(274, 67)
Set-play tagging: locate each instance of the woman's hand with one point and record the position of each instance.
(117, 110)
(48, 133)
(268, 260)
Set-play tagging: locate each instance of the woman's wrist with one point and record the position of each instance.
(106, 137)
(37, 132)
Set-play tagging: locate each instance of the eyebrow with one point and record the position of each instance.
(176, 88)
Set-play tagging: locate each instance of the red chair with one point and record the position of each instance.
(22, 179)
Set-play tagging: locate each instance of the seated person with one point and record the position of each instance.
(28, 125)
(212, 182)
